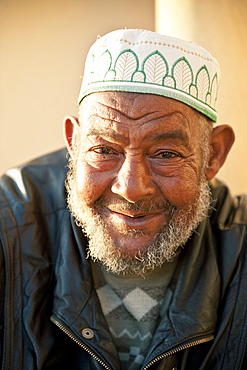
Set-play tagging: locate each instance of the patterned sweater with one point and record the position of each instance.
(132, 306)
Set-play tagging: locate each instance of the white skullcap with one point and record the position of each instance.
(146, 62)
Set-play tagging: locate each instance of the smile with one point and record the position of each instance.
(137, 220)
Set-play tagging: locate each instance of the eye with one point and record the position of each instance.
(166, 155)
(102, 157)
(103, 150)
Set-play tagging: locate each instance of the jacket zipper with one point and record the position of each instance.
(172, 352)
(66, 331)
(180, 348)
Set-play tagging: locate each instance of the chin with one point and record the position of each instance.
(132, 246)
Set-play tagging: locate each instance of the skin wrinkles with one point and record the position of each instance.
(97, 119)
(130, 103)
(105, 131)
(139, 155)
(180, 142)
(131, 151)
(109, 118)
(138, 186)
(113, 137)
(137, 134)
(109, 134)
(115, 109)
(154, 157)
(125, 115)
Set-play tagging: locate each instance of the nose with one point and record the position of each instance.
(134, 180)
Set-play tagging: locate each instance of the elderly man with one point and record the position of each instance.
(148, 268)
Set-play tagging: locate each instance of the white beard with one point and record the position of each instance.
(175, 233)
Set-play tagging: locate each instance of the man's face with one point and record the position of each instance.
(136, 179)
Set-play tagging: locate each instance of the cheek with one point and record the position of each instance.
(180, 190)
(90, 183)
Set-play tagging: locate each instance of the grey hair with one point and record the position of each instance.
(206, 132)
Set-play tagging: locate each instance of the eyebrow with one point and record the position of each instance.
(106, 133)
(175, 134)
(110, 134)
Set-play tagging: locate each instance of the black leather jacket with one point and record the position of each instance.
(50, 316)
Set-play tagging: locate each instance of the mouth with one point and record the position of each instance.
(134, 214)
(136, 220)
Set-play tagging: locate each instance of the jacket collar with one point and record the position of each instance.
(192, 313)
(196, 292)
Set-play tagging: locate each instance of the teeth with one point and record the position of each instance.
(128, 215)
(136, 216)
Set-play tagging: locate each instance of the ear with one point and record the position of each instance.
(221, 142)
(70, 126)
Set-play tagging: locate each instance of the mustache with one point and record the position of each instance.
(147, 205)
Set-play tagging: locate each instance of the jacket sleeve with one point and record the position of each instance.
(32, 198)
(10, 287)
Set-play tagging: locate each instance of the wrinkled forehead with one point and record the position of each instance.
(148, 113)
(133, 106)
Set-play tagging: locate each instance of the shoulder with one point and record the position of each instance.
(33, 200)
(33, 209)
(227, 211)
(36, 185)
(229, 225)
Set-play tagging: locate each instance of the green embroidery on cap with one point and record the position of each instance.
(155, 71)
(143, 71)
(202, 82)
(214, 91)
(138, 76)
(182, 74)
(155, 68)
(126, 65)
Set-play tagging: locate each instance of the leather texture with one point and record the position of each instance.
(48, 300)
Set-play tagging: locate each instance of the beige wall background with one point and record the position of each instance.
(43, 45)
(221, 27)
